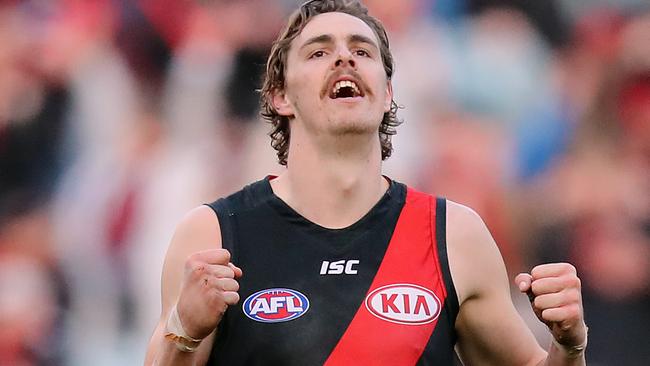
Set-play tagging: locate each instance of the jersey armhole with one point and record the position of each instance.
(441, 242)
(226, 223)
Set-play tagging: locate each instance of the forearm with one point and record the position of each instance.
(168, 354)
(163, 352)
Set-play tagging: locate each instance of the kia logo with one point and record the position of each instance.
(404, 304)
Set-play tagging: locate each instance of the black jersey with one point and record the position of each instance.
(378, 292)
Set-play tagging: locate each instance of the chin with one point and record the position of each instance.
(355, 127)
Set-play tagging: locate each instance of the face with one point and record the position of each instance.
(335, 79)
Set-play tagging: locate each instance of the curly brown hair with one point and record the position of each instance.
(274, 78)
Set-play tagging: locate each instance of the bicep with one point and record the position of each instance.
(490, 331)
(199, 230)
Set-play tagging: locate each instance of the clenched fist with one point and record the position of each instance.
(209, 286)
(555, 294)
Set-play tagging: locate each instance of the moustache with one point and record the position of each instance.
(327, 87)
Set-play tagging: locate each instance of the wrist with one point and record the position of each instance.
(573, 351)
(175, 333)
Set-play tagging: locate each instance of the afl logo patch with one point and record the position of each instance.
(275, 305)
(404, 304)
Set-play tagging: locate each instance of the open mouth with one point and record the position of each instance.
(345, 89)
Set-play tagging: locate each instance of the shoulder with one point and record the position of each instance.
(474, 258)
(247, 198)
(463, 223)
(199, 229)
(465, 227)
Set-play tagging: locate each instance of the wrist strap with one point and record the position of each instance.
(175, 333)
(573, 351)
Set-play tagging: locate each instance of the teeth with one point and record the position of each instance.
(346, 83)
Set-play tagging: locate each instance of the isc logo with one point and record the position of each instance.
(339, 267)
(275, 305)
(404, 304)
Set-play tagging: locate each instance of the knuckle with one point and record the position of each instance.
(194, 267)
(535, 286)
(578, 295)
(220, 284)
(573, 282)
(224, 272)
(213, 284)
(548, 314)
(227, 285)
(572, 296)
(229, 272)
(577, 310)
(197, 267)
(570, 268)
(538, 286)
(194, 257)
(233, 285)
(235, 298)
(225, 254)
(573, 312)
(189, 263)
(536, 271)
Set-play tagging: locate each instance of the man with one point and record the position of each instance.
(340, 265)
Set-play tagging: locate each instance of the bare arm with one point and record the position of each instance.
(490, 330)
(199, 280)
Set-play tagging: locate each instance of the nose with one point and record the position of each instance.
(344, 57)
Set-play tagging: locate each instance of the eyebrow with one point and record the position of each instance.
(359, 38)
(328, 38)
(323, 38)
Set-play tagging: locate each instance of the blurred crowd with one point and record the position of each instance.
(118, 116)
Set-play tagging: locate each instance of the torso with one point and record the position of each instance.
(377, 292)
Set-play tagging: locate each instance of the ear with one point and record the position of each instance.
(281, 103)
(389, 96)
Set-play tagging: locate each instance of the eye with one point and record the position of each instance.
(317, 54)
(362, 53)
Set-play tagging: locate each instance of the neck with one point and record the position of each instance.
(333, 187)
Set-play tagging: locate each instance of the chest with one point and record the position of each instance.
(313, 297)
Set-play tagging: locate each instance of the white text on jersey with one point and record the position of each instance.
(339, 267)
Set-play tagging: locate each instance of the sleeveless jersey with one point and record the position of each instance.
(378, 292)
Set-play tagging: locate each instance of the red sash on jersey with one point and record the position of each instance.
(411, 259)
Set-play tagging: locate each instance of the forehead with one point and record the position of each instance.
(336, 24)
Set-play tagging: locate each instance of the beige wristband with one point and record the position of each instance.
(175, 333)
